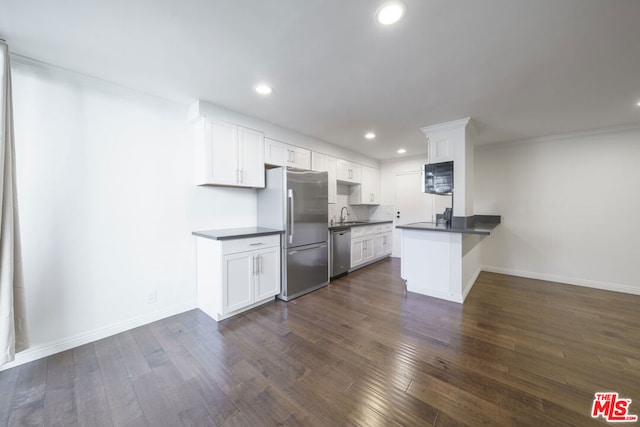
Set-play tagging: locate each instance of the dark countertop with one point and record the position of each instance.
(338, 226)
(235, 233)
(483, 224)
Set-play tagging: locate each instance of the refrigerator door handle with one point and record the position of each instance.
(320, 246)
(291, 221)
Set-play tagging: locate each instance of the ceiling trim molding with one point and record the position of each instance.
(560, 136)
(454, 124)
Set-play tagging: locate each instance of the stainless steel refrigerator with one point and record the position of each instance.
(296, 201)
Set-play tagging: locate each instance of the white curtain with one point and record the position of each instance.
(13, 327)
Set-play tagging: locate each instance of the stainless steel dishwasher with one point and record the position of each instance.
(340, 252)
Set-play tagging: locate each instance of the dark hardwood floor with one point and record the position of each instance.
(360, 352)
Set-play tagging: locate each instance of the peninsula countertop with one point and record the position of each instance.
(482, 225)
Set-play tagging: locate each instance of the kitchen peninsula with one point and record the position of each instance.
(444, 261)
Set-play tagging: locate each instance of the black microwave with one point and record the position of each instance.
(437, 178)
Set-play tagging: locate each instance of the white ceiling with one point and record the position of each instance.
(519, 68)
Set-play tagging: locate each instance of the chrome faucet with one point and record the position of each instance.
(343, 218)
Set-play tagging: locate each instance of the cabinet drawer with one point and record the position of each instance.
(356, 231)
(366, 231)
(383, 228)
(249, 244)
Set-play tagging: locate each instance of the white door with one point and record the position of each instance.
(411, 205)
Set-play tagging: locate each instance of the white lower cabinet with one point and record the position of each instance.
(238, 274)
(268, 273)
(370, 243)
(387, 243)
(361, 251)
(382, 244)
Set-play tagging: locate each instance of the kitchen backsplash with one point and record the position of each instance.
(357, 212)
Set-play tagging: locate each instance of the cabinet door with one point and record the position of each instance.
(275, 152)
(374, 185)
(217, 153)
(367, 249)
(324, 163)
(333, 184)
(440, 148)
(369, 191)
(237, 281)
(250, 157)
(356, 252)
(349, 172)
(387, 243)
(378, 245)
(281, 154)
(299, 158)
(268, 273)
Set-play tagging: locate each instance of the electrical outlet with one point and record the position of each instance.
(152, 297)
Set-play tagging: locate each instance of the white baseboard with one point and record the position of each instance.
(44, 350)
(436, 293)
(615, 287)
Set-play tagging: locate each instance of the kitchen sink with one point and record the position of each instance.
(352, 222)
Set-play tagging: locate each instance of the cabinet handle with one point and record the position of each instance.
(241, 176)
(256, 265)
(288, 156)
(255, 244)
(253, 266)
(259, 263)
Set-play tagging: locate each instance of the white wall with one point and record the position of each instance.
(569, 208)
(107, 205)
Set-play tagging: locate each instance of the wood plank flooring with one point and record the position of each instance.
(361, 351)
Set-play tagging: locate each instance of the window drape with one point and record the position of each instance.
(13, 327)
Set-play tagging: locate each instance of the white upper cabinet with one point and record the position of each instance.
(324, 163)
(251, 157)
(440, 148)
(280, 154)
(228, 154)
(367, 193)
(447, 141)
(349, 172)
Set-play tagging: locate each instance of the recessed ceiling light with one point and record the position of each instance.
(369, 135)
(263, 89)
(390, 12)
(638, 104)
(402, 151)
